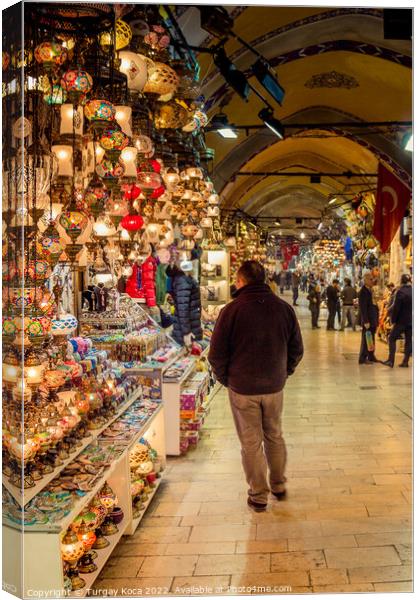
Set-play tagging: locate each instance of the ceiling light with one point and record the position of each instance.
(220, 124)
(235, 78)
(277, 222)
(227, 133)
(332, 200)
(267, 116)
(408, 142)
(266, 76)
(302, 235)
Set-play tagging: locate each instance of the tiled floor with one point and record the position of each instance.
(346, 525)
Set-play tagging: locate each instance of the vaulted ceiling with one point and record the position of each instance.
(335, 66)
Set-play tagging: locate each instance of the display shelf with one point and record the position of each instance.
(42, 483)
(136, 521)
(100, 561)
(84, 500)
(39, 582)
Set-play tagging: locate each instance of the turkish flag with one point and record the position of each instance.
(393, 198)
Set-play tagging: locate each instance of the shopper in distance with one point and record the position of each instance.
(255, 346)
(401, 317)
(369, 321)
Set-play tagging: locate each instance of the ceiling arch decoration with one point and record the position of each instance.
(332, 79)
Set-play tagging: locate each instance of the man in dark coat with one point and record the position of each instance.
(348, 296)
(295, 278)
(401, 317)
(255, 346)
(332, 297)
(369, 319)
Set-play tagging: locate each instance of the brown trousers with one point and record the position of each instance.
(258, 425)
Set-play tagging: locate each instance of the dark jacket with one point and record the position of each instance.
(256, 342)
(348, 295)
(401, 313)
(367, 309)
(314, 299)
(187, 297)
(332, 295)
(295, 278)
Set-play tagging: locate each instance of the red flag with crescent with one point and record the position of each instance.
(393, 198)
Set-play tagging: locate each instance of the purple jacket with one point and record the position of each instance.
(256, 342)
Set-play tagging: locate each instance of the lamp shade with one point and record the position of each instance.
(123, 118)
(162, 80)
(129, 158)
(100, 111)
(71, 120)
(135, 67)
(64, 156)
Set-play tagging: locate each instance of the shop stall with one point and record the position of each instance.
(105, 207)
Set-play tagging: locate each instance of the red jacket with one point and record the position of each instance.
(142, 282)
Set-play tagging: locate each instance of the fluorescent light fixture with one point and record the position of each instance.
(227, 132)
(266, 115)
(277, 222)
(220, 123)
(408, 142)
(332, 200)
(235, 78)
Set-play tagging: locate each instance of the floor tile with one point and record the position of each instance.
(200, 586)
(229, 564)
(380, 574)
(328, 576)
(340, 558)
(298, 561)
(154, 566)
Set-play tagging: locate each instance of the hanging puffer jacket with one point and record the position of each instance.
(187, 308)
(149, 268)
(134, 287)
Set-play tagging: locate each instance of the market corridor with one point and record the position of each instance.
(346, 523)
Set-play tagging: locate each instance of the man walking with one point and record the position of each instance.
(401, 317)
(348, 310)
(332, 297)
(295, 285)
(255, 346)
(369, 319)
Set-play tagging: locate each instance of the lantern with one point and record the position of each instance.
(110, 171)
(162, 80)
(103, 227)
(73, 221)
(77, 83)
(66, 324)
(132, 222)
(100, 113)
(135, 67)
(113, 140)
(50, 54)
(143, 144)
(55, 95)
(131, 192)
(122, 34)
(148, 180)
(71, 547)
